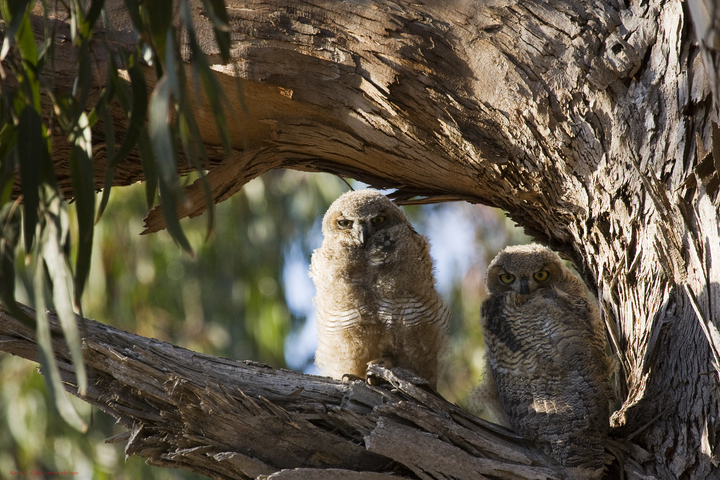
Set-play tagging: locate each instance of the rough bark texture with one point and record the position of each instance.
(240, 420)
(591, 123)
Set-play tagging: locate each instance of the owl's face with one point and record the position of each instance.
(356, 217)
(524, 270)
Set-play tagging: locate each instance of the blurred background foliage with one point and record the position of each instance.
(245, 295)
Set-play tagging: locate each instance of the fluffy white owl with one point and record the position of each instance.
(376, 299)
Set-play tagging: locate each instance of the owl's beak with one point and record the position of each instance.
(363, 232)
(524, 286)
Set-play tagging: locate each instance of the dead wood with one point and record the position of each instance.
(240, 420)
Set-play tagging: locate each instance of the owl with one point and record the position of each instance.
(375, 291)
(546, 349)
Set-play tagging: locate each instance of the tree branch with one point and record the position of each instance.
(238, 420)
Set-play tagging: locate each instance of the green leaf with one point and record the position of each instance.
(110, 152)
(96, 7)
(83, 180)
(29, 82)
(169, 209)
(10, 220)
(133, 9)
(148, 164)
(30, 153)
(47, 357)
(57, 231)
(83, 79)
(214, 92)
(221, 26)
(194, 148)
(8, 139)
(9, 238)
(163, 143)
(138, 110)
(159, 18)
(13, 13)
(161, 133)
(136, 115)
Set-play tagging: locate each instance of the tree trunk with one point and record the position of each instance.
(592, 124)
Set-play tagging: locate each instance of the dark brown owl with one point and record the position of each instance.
(546, 348)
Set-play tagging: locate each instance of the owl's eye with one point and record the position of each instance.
(507, 278)
(541, 275)
(378, 220)
(345, 223)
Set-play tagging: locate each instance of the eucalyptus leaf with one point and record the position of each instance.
(30, 156)
(10, 226)
(53, 380)
(83, 79)
(136, 110)
(9, 238)
(132, 7)
(163, 143)
(13, 13)
(161, 132)
(8, 139)
(57, 230)
(149, 168)
(160, 15)
(194, 148)
(213, 91)
(83, 180)
(96, 7)
(169, 209)
(221, 26)
(28, 50)
(109, 129)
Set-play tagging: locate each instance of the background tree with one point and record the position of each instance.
(591, 124)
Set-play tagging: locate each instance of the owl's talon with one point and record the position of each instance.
(384, 362)
(374, 380)
(349, 378)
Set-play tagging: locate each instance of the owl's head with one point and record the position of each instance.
(524, 269)
(355, 217)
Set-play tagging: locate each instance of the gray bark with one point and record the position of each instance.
(241, 420)
(591, 123)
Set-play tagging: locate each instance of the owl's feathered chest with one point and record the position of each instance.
(538, 345)
(384, 283)
(539, 331)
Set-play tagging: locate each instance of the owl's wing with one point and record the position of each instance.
(413, 311)
(337, 320)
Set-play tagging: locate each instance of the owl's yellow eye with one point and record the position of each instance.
(378, 220)
(507, 278)
(345, 223)
(541, 275)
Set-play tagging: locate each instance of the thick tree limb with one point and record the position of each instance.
(230, 419)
